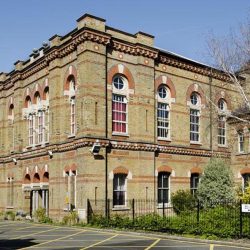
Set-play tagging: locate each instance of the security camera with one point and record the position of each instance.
(96, 148)
(14, 160)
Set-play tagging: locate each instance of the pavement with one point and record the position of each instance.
(26, 235)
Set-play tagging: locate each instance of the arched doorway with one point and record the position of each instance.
(40, 192)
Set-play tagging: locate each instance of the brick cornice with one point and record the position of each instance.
(87, 34)
(76, 143)
(134, 49)
(196, 69)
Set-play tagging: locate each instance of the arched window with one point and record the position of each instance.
(241, 141)
(72, 89)
(11, 128)
(46, 116)
(163, 117)
(246, 180)
(195, 103)
(222, 107)
(163, 187)
(119, 105)
(11, 113)
(194, 182)
(10, 192)
(30, 120)
(119, 189)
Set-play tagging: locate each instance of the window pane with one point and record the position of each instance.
(163, 120)
(119, 114)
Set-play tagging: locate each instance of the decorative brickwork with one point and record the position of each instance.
(70, 82)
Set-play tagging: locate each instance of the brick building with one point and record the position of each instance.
(100, 113)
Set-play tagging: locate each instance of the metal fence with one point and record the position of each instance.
(223, 218)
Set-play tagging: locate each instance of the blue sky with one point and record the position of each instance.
(180, 26)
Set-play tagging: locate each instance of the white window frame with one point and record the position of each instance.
(31, 129)
(40, 126)
(122, 101)
(195, 112)
(163, 131)
(241, 140)
(194, 132)
(72, 116)
(194, 188)
(160, 203)
(222, 131)
(120, 189)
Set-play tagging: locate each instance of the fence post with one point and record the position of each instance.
(163, 208)
(198, 211)
(108, 209)
(88, 211)
(133, 209)
(241, 224)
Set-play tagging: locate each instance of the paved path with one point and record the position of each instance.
(24, 235)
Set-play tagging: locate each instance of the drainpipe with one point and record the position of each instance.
(106, 131)
(211, 114)
(155, 152)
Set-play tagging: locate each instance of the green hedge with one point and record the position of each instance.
(219, 221)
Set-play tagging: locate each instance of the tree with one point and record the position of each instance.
(231, 55)
(216, 183)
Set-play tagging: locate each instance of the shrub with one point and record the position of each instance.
(1, 215)
(40, 215)
(70, 219)
(216, 184)
(245, 196)
(10, 215)
(183, 200)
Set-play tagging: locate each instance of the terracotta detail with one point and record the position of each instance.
(126, 72)
(169, 83)
(226, 98)
(192, 89)
(164, 169)
(196, 170)
(120, 170)
(67, 76)
(27, 179)
(245, 171)
(36, 178)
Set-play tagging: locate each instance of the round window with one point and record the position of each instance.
(162, 92)
(118, 82)
(194, 99)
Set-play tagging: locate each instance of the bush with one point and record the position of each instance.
(1, 215)
(10, 215)
(216, 184)
(70, 219)
(219, 221)
(183, 200)
(40, 215)
(244, 196)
